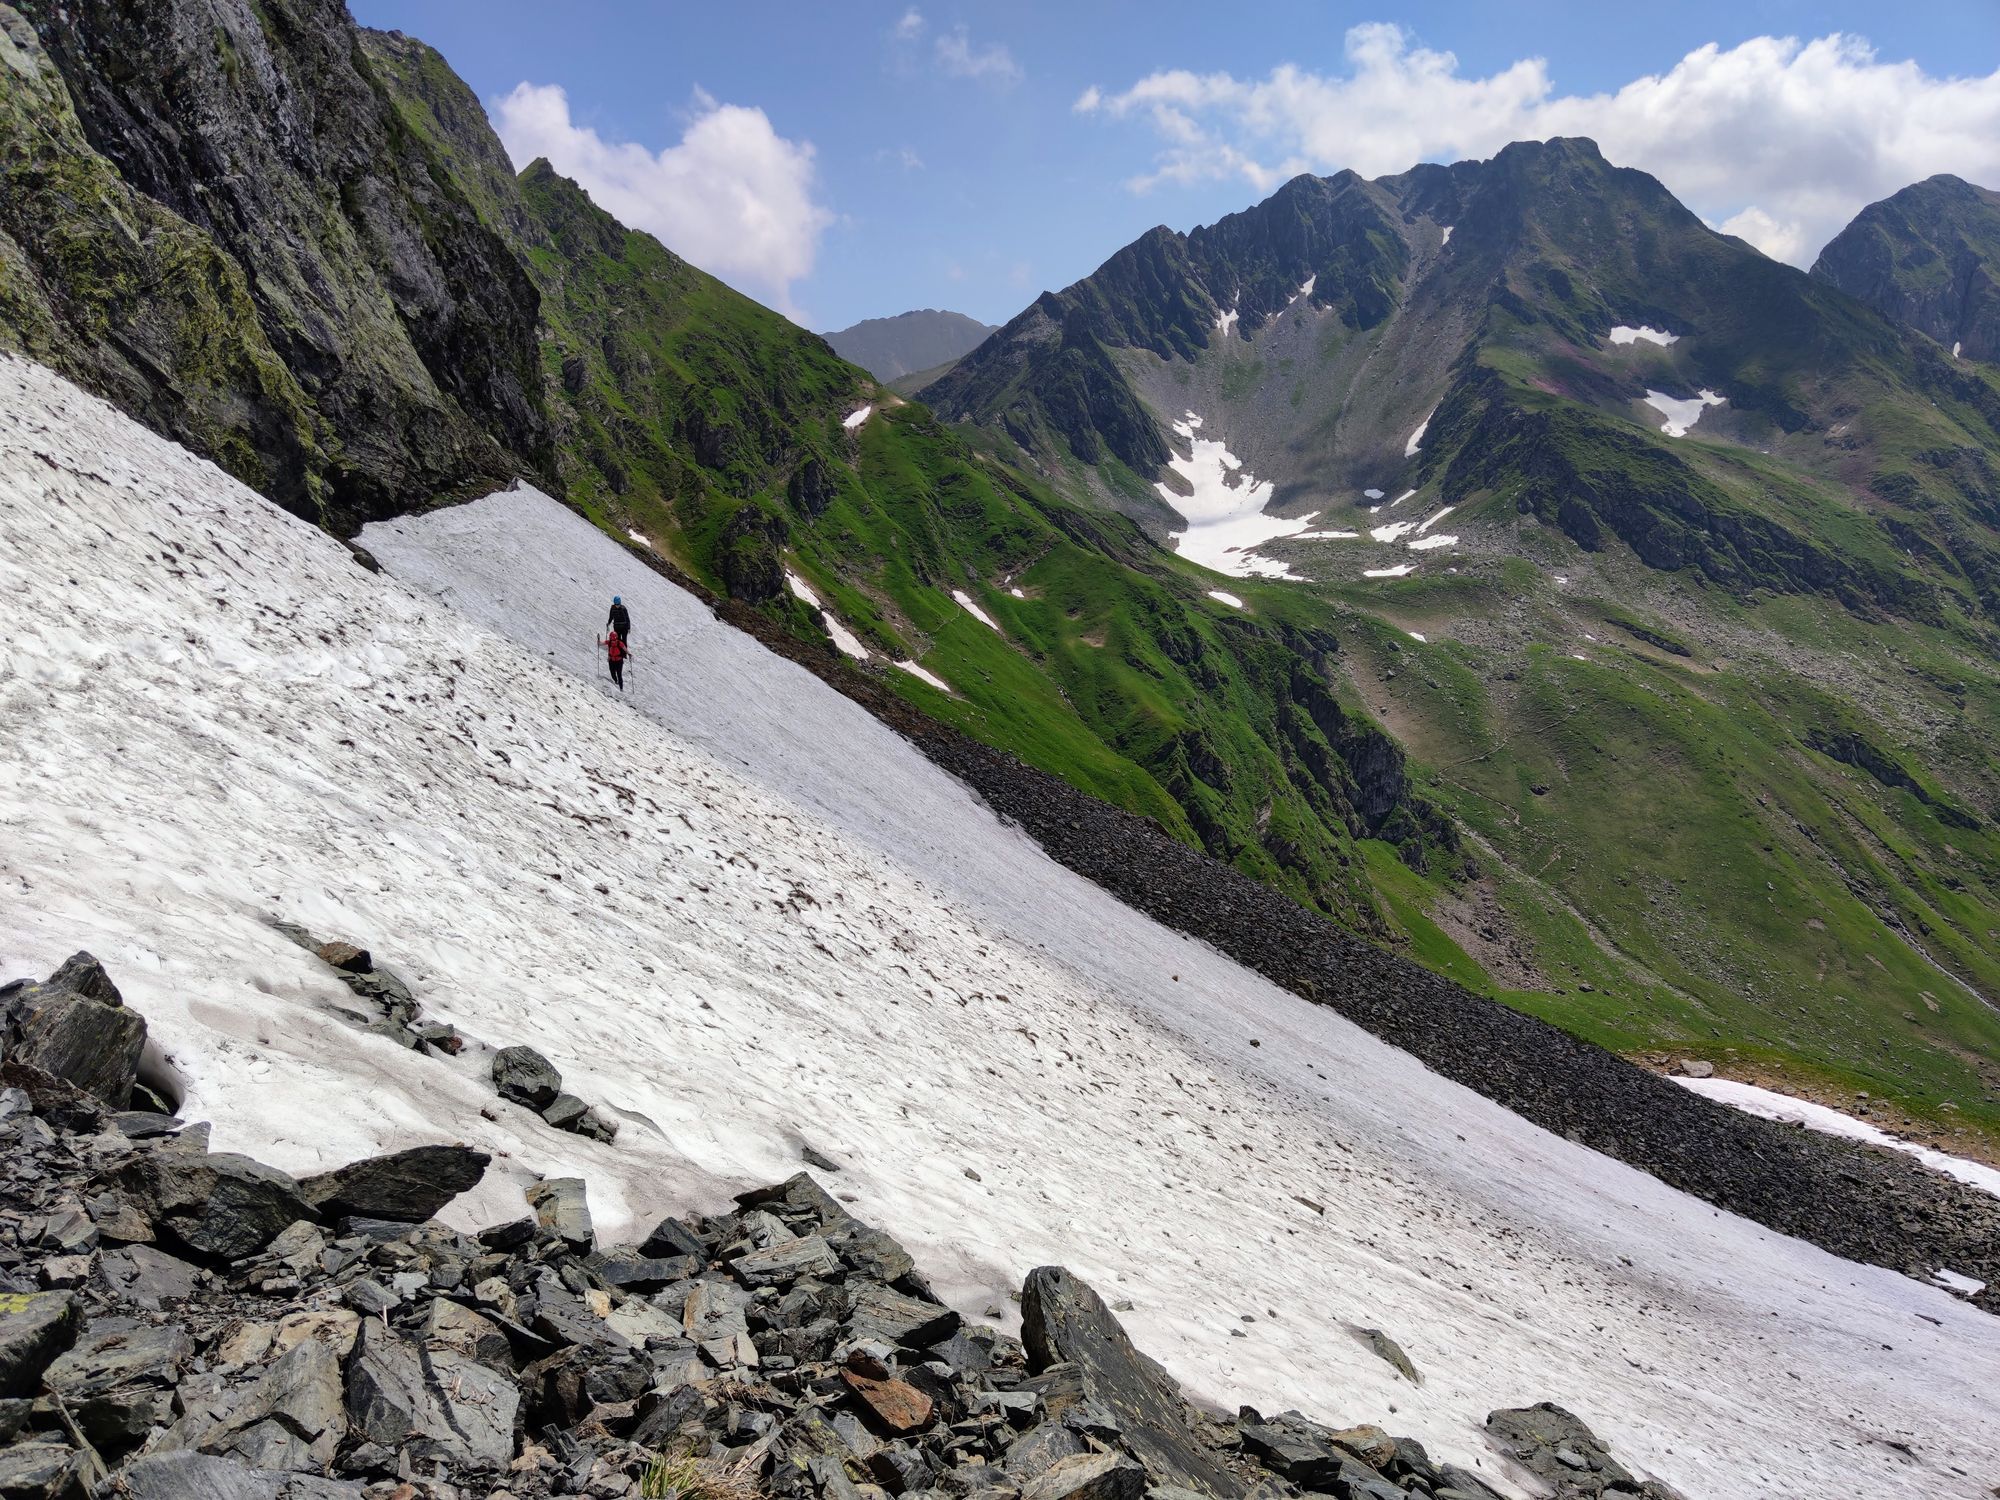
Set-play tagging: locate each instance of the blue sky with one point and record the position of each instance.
(853, 160)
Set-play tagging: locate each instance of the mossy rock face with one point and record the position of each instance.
(133, 302)
(300, 271)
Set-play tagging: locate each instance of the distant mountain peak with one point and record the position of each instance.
(1928, 257)
(905, 343)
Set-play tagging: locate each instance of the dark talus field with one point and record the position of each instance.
(1680, 741)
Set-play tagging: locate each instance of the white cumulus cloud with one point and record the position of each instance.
(733, 196)
(1778, 140)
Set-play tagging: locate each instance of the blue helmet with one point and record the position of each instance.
(616, 600)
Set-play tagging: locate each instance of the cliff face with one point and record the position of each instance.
(404, 321)
(126, 297)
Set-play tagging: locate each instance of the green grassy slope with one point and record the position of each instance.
(1755, 823)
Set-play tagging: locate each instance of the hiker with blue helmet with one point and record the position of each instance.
(619, 622)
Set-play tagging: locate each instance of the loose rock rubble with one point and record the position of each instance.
(180, 1324)
(521, 1075)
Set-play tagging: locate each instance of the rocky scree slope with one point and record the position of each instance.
(180, 1324)
(908, 343)
(1928, 257)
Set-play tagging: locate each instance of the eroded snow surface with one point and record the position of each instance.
(209, 717)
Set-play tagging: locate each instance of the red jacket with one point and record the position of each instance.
(615, 649)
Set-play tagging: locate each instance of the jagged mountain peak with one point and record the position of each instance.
(1929, 257)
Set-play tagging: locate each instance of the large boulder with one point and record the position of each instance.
(405, 1186)
(78, 1028)
(290, 1419)
(219, 1208)
(1559, 1448)
(1064, 1321)
(34, 1328)
(433, 1398)
(524, 1076)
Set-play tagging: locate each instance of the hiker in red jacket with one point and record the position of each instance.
(615, 652)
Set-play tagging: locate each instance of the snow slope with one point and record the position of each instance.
(210, 715)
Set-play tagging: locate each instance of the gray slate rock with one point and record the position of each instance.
(35, 1327)
(525, 1077)
(786, 1262)
(201, 1476)
(148, 1278)
(561, 1210)
(1559, 1448)
(430, 1399)
(1063, 1320)
(221, 1207)
(290, 1418)
(77, 1028)
(119, 1351)
(408, 1186)
(884, 1314)
(42, 1471)
(1089, 1476)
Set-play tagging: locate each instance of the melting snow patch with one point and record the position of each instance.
(1431, 543)
(1229, 599)
(1775, 1106)
(855, 418)
(1398, 500)
(1328, 536)
(1954, 349)
(1017, 593)
(1305, 289)
(1623, 334)
(1447, 236)
(710, 795)
(842, 637)
(1681, 412)
(640, 537)
(1396, 572)
(1225, 321)
(1434, 517)
(918, 672)
(1392, 530)
(1417, 438)
(1952, 1281)
(1225, 513)
(967, 603)
(1418, 635)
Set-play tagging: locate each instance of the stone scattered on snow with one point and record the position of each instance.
(410, 1185)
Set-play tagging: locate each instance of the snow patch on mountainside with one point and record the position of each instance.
(1225, 598)
(1417, 438)
(1625, 334)
(1432, 543)
(916, 670)
(1225, 511)
(1776, 1106)
(1447, 236)
(1396, 572)
(209, 715)
(971, 607)
(855, 418)
(1681, 412)
(843, 638)
(1224, 321)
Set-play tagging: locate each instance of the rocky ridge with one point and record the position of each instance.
(181, 1324)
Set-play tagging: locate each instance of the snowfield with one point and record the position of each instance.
(1681, 412)
(1625, 334)
(1225, 513)
(806, 932)
(971, 606)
